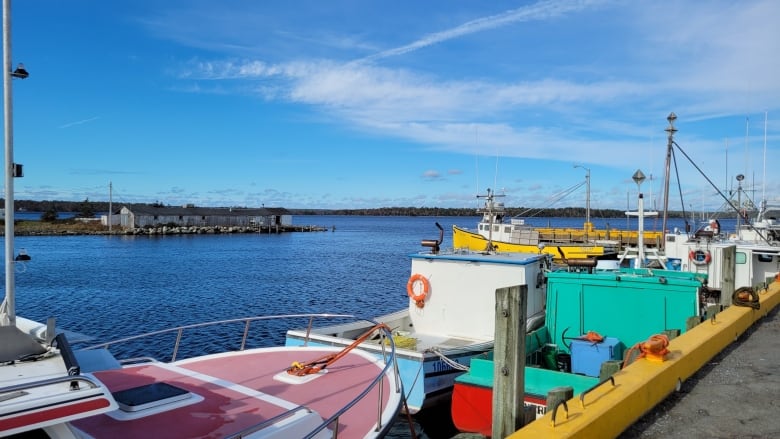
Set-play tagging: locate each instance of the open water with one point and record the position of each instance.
(115, 286)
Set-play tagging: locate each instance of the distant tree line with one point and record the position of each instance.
(563, 212)
(87, 209)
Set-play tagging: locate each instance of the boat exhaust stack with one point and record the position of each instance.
(433, 244)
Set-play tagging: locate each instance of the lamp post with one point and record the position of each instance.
(638, 178)
(11, 169)
(588, 225)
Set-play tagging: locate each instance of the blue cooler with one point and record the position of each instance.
(587, 356)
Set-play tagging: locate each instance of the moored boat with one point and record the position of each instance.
(318, 392)
(450, 317)
(493, 232)
(591, 319)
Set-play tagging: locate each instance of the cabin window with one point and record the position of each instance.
(508, 229)
(155, 218)
(181, 218)
(741, 258)
(764, 257)
(495, 228)
(203, 217)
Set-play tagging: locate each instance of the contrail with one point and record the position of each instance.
(68, 125)
(538, 11)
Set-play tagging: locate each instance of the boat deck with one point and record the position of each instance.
(229, 394)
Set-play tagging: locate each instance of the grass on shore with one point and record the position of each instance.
(56, 227)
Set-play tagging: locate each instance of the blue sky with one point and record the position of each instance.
(353, 104)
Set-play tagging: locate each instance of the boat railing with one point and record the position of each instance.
(388, 355)
(8, 392)
(247, 321)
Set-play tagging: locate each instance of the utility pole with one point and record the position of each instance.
(110, 206)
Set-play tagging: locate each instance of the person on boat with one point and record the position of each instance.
(713, 227)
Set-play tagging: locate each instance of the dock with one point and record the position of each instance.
(736, 394)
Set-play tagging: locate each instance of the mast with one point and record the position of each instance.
(763, 189)
(671, 130)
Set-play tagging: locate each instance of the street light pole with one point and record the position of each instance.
(588, 225)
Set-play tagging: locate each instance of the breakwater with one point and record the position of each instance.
(42, 229)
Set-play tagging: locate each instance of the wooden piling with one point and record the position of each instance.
(509, 360)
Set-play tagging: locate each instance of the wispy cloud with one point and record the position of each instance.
(706, 68)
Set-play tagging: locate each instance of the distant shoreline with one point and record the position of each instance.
(73, 227)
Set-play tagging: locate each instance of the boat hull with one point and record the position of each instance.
(472, 395)
(465, 239)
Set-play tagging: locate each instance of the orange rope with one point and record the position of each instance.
(314, 366)
(654, 348)
(593, 336)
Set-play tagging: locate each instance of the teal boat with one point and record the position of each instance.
(591, 321)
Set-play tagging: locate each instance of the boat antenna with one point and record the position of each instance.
(8, 308)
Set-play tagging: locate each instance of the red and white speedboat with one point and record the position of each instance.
(274, 392)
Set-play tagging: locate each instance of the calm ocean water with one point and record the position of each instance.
(115, 286)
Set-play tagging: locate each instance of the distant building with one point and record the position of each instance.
(139, 216)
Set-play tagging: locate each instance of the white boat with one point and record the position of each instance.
(274, 392)
(49, 389)
(450, 317)
(748, 256)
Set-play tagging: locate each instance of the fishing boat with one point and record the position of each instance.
(450, 317)
(586, 325)
(748, 255)
(48, 388)
(493, 232)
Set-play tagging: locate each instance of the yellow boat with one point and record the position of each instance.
(462, 238)
(493, 233)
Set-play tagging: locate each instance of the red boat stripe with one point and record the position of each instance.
(54, 413)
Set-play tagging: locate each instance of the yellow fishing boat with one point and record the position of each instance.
(493, 233)
(466, 239)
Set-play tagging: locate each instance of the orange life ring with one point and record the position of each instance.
(426, 286)
(700, 257)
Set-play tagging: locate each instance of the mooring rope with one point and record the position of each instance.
(452, 363)
(746, 296)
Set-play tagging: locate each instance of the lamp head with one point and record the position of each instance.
(20, 72)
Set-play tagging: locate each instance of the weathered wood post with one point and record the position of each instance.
(509, 361)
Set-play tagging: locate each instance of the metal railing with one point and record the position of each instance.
(388, 356)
